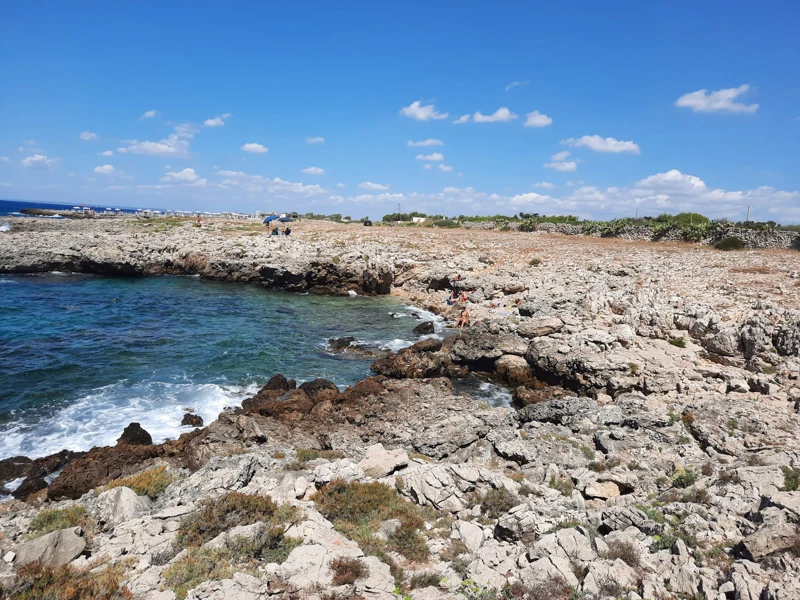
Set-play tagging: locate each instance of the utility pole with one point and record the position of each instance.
(748, 213)
(637, 212)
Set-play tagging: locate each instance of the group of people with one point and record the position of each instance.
(276, 231)
(456, 298)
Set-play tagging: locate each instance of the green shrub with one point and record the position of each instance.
(268, 545)
(563, 484)
(730, 242)
(220, 514)
(305, 455)
(150, 483)
(447, 223)
(678, 342)
(498, 502)
(791, 479)
(357, 509)
(423, 580)
(625, 551)
(683, 478)
(53, 519)
(535, 262)
(35, 582)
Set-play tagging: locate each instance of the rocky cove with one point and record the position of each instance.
(652, 452)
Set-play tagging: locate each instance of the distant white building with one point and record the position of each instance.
(418, 219)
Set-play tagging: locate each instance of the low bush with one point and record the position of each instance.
(791, 479)
(53, 519)
(220, 514)
(554, 587)
(730, 242)
(347, 571)
(35, 582)
(150, 483)
(357, 509)
(423, 580)
(683, 478)
(625, 551)
(204, 564)
(498, 502)
(563, 484)
(447, 223)
(309, 454)
(678, 342)
(535, 262)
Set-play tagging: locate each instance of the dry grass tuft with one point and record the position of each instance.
(53, 519)
(35, 582)
(150, 483)
(347, 571)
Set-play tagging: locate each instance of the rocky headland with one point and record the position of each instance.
(652, 450)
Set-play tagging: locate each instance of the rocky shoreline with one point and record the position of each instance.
(652, 451)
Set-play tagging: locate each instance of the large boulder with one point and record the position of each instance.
(380, 462)
(320, 390)
(134, 435)
(118, 505)
(192, 420)
(787, 339)
(52, 550)
(514, 370)
(540, 326)
(726, 342)
(279, 382)
(424, 328)
(419, 361)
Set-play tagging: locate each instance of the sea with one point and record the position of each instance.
(11, 206)
(83, 356)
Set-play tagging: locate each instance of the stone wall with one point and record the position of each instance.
(752, 238)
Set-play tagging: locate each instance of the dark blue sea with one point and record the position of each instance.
(9, 206)
(83, 356)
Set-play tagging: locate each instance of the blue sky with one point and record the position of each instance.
(662, 108)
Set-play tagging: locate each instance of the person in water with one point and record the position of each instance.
(463, 319)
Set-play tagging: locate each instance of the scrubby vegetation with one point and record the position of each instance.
(358, 509)
(497, 502)
(53, 519)
(220, 514)
(625, 551)
(683, 478)
(730, 242)
(35, 582)
(791, 479)
(347, 571)
(150, 483)
(269, 545)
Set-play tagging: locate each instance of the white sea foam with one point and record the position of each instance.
(496, 395)
(99, 418)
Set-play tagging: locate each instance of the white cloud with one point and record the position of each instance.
(544, 184)
(187, 175)
(4, 159)
(106, 153)
(314, 171)
(104, 170)
(315, 140)
(514, 84)
(113, 188)
(445, 168)
(341, 185)
(149, 115)
(432, 156)
(559, 162)
(255, 148)
(717, 101)
(88, 136)
(501, 115)
(217, 121)
(529, 199)
(277, 186)
(428, 166)
(38, 161)
(561, 155)
(422, 113)
(174, 145)
(373, 187)
(460, 120)
(428, 142)
(599, 144)
(537, 119)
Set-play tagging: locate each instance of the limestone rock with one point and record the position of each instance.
(53, 549)
(380, 462)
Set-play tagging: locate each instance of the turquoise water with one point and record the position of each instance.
(83, 356)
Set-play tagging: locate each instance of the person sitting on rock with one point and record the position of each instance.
(463, 319)
(276, 231)
(463, 297)
(287, 231)
(452, 299)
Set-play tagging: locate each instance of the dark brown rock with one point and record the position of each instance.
(424, 328)
(279, 382)
(364, 388)
(15, 467)
(315, 388)
(192, 420)
(134, 435)
(31, 485)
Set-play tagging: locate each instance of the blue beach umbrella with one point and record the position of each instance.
(286, 219)
(269, 219)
